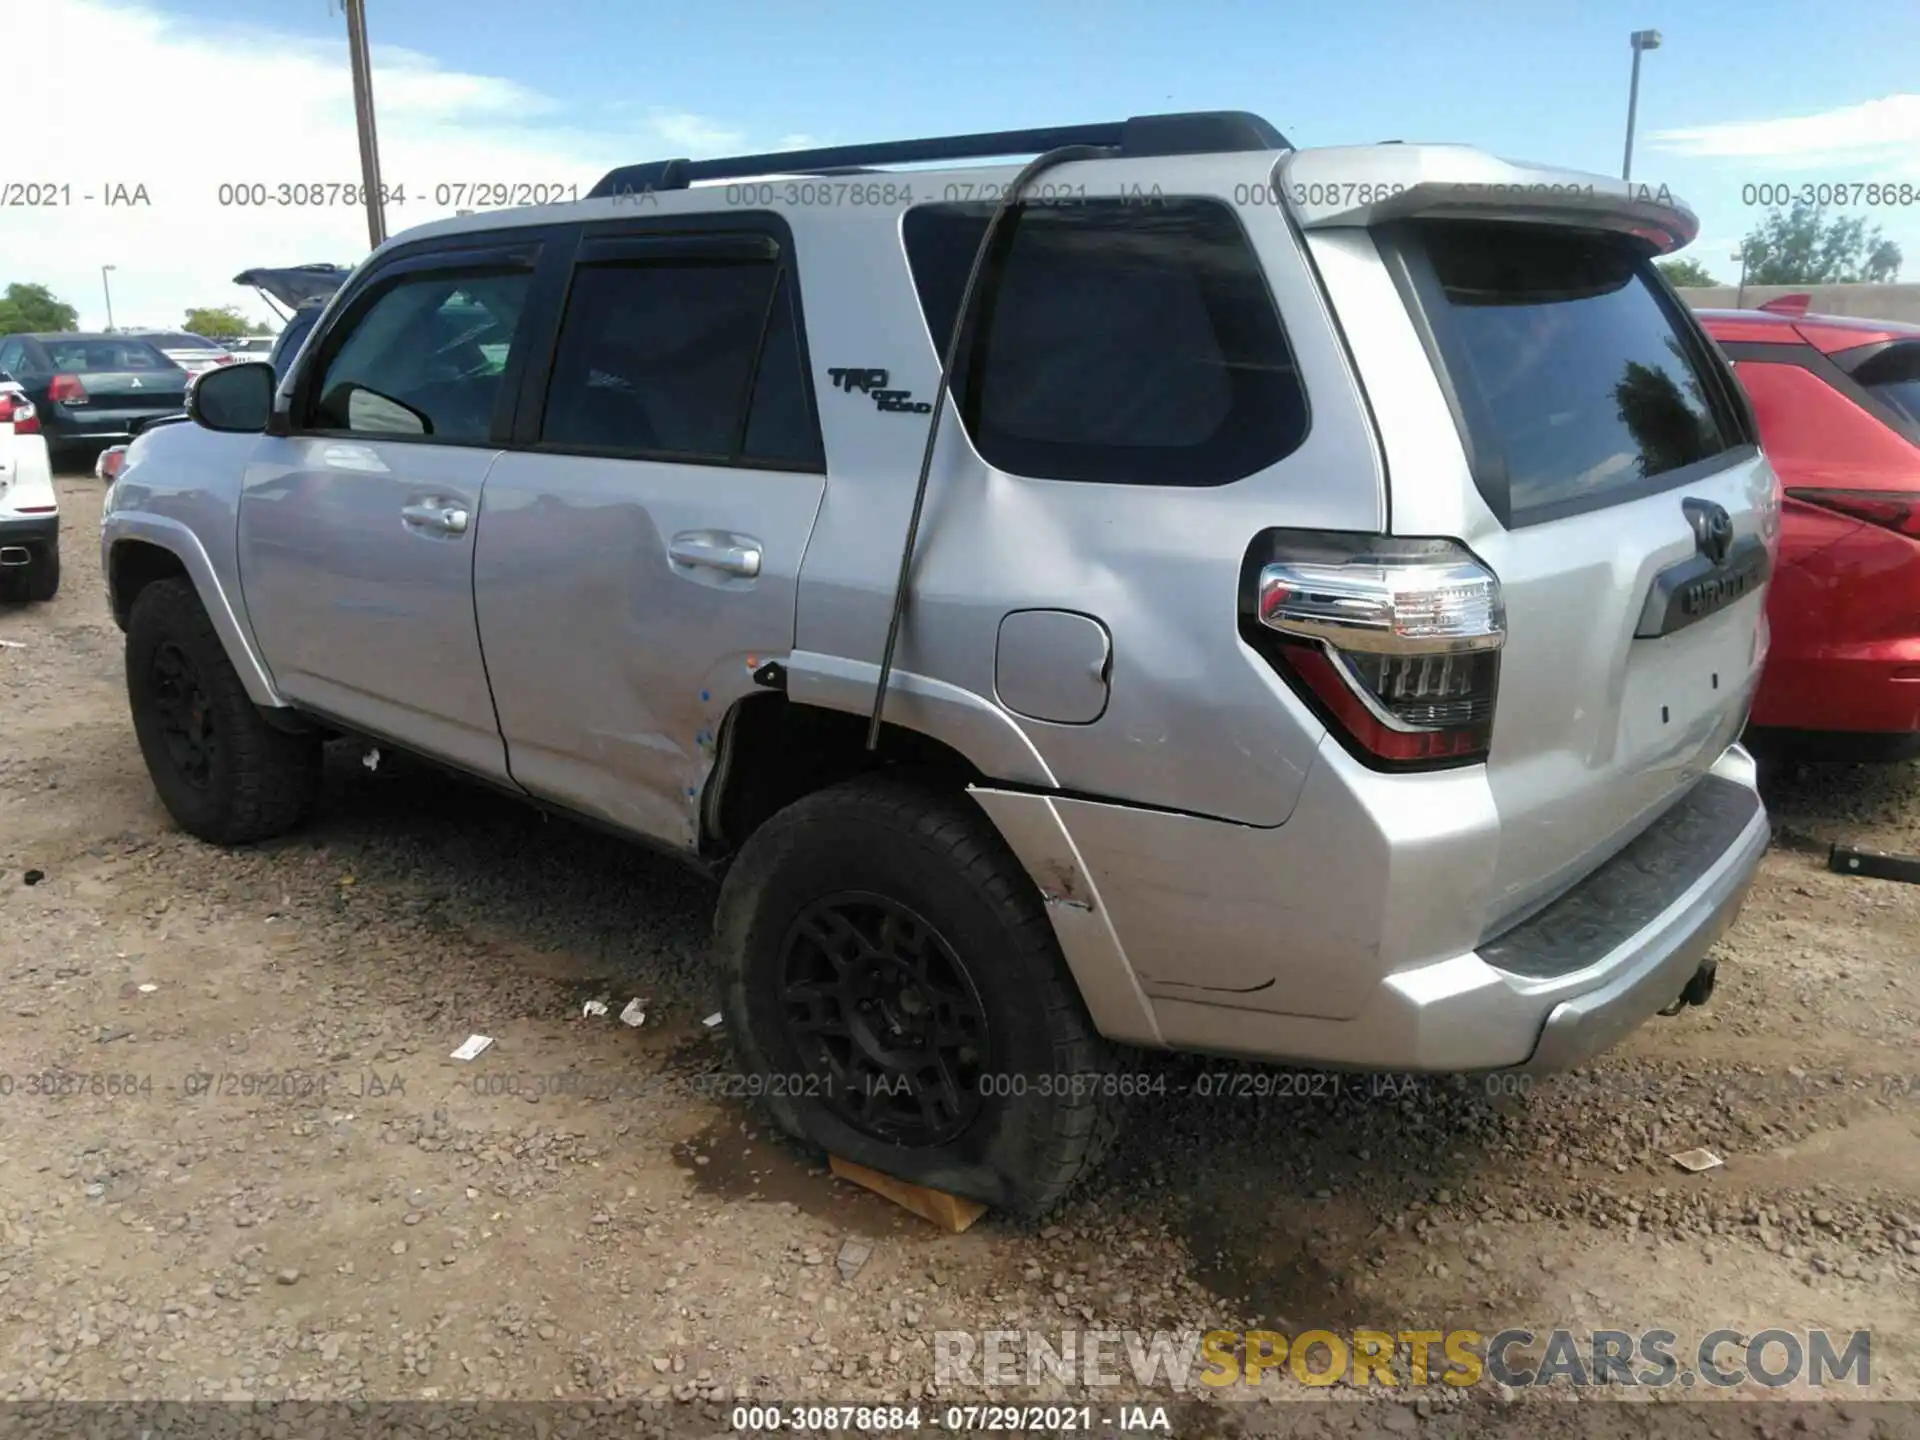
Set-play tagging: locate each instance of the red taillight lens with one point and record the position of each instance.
(67, 390)
(1891, 509)
(18, 411)
(1394, 642)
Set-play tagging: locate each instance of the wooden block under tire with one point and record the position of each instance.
(950, 1212)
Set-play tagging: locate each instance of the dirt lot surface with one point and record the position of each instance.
(260, 1175)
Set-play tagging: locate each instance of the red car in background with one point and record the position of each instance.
(1838, 404)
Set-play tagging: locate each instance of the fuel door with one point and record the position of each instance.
(1053, 665)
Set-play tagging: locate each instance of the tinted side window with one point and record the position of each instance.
(1119, 342)
(424, 359)
(695, 358)
(780, 420)
(10, 361)
(1893, 374)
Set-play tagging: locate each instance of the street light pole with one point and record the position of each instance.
(1740, 295)
(106, 286)
(363, 119)
(1641, 40)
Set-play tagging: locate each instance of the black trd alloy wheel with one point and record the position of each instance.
(877, 1000)
(895, 995)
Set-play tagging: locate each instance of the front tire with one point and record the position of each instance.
(894, 992)
(222, 771)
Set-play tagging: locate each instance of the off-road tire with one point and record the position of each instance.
(938, 855)
(261, 781)
(43, 575)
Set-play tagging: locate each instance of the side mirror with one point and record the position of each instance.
(235, 399)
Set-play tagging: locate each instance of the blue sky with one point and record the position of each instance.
(1737, 94)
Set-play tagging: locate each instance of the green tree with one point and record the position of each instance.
(25, 309)
(1802, 246)
(1686, 274)
(221, 322)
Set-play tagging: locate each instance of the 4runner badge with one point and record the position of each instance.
(874, 383)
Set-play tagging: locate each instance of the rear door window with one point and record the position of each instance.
(1129, 343)
(681, 358)
(1580, 383)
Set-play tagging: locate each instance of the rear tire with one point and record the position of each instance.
(43, 575)
(894, 992)
(221, 770)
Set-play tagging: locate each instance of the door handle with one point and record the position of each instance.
(447, 519)
(713, 550)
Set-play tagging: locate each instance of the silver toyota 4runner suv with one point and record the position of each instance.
(1184, 592)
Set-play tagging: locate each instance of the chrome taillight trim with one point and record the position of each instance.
(1359, 607)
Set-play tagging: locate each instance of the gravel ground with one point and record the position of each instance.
(274, 1183)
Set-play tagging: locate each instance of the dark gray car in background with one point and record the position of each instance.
(92, 389)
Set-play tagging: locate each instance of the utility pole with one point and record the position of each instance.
(1641, 40)
(107, 286)
(363, 119)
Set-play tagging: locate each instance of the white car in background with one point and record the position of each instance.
(192, 353)
(29, 508)
(251, 347)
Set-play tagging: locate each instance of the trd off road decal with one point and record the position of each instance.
(874, 383)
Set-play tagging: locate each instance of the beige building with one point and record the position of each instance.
(1870, 302)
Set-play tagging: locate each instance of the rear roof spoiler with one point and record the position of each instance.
(1791, 305)
(1361, 185)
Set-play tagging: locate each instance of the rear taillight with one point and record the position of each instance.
(66, 390)
(1394, 642)
(18, 411)
(1891, 509)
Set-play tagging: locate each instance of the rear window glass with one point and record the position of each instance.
(182, 342)
(105, 356)
(1120, 342)
(1893, 374)
(1578, 386)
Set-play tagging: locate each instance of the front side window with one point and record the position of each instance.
(425, 359)
(681, 358)
(1129, 343)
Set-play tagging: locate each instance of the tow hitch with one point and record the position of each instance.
(1697, 992)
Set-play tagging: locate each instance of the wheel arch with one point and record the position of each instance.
(139, 549)
(774, 750)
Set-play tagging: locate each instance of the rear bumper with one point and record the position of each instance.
(1644, 971)
(1571, 980)
(36, 532)
(65, 426)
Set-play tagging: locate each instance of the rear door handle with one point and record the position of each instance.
(716, 550)
(432, 515)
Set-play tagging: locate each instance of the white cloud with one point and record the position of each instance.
(250, 106)
(1883, 132)
(693, 136)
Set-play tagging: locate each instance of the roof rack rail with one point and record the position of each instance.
(1197, 132)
